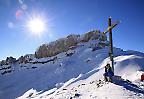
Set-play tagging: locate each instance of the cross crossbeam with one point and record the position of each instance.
(111, 27)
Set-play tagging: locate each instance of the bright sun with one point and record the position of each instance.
(36, 26)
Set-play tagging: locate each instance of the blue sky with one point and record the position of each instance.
(65, 17)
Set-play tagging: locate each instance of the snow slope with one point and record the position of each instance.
(70, 72)
(93, 87)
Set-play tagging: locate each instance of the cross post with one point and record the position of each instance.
(111, 44)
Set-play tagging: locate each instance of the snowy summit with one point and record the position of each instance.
(73, 68)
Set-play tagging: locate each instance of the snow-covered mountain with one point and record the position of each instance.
(76, 74)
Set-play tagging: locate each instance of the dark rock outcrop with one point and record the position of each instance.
(64, 44)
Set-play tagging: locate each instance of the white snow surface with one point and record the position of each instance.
(79, 76)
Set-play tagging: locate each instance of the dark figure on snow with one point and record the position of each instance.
(108, 73)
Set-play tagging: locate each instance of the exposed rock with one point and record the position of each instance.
(3, 62)
(70, 42)
(10, 60)
(25, 59)
(69, 52)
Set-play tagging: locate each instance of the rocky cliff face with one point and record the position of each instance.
(64, 44)
(53, 48)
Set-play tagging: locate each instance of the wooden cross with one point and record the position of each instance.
(109, 29)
